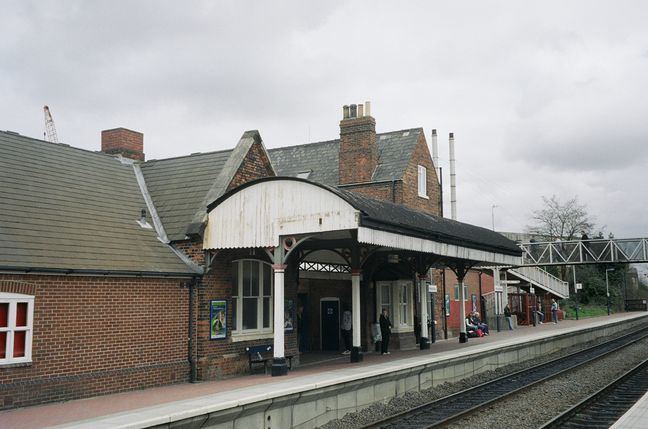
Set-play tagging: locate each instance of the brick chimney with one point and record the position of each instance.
(128, 143)
(358, 147)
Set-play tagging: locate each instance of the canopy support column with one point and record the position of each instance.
(356, 350)
(279, 365)
(423, 293)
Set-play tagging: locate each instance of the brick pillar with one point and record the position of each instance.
(122, 141)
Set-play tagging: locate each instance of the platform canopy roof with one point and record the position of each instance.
(258, 213)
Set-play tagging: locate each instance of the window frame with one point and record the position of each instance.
(422, 182)
(13, 299)
(396, 305)
(238, 298)
(457, 292)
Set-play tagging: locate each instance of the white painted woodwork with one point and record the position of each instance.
(398, 241)
(355, 303)
(278, 346)
(462, 308)
(423, 293)
(257, 215)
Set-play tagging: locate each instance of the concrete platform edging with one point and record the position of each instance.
(319, 398)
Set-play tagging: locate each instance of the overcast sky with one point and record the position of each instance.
(544, 98)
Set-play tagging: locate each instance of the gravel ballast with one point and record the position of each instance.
(529, 409)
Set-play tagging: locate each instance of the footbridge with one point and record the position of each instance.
(573, 252)
(579, 252)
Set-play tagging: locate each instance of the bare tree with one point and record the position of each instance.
(557, 220)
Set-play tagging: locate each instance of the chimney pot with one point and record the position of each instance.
(345, 112)
(360, 110)
(368, 108)
(354, 111)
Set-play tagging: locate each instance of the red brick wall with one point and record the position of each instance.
(255, 165)
(224, 358)
(421, 156)
(98, 335)
(123, 141)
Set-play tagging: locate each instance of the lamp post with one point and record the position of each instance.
(607, 288)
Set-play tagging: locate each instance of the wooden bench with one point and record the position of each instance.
(262, 355)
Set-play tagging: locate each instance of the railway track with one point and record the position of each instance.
(606, 406)
(450, 408)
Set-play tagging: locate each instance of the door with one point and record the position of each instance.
(330, 324)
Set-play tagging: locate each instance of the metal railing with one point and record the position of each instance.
(574, 252)
(542, 279)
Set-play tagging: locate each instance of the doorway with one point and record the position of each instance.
(330, 324)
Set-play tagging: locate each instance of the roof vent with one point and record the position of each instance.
(142, 220)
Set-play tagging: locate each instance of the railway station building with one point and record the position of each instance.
(118, 272)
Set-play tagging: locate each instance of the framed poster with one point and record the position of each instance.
(289, 315)
(473, 299)
(217, 319)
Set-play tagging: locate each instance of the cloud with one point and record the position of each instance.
(544, 99)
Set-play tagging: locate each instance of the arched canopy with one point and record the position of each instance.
(258, 213)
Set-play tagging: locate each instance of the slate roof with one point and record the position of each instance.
(179, 185)
(322, 159)
(397, 218)
(64, 208)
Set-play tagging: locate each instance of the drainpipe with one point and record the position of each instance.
(192, 330)
(394, 191)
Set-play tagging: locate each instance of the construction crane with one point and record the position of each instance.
(50, 129)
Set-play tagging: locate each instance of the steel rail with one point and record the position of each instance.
(452, 407)
(606, 406)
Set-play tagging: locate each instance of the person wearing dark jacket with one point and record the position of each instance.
(385, 331)
(507, 315)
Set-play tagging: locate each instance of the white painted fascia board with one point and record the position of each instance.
(405, 242)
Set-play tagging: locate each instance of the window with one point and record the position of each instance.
(396, 297)
(422, 182)
(456, 292)
(403, 303)
(251, 297)
(385, 298)
(16, 321)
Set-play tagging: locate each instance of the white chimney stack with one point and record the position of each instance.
(453, 179)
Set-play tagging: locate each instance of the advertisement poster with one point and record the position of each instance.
(447, 305)
(289, 315)
(218, 319)
(473, 298)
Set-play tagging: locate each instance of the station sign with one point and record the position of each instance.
(531, 290)
(579, 286)
(510, 282)
(432, 288)
(499, 288)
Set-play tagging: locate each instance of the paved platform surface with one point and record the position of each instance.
(636, 417)
(150, 405)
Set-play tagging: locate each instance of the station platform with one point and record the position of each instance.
(636, 417)
(253, 400)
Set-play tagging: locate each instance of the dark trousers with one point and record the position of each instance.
(346, 336)
(385, 343)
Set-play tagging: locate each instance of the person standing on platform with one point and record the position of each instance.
(554, 311)
(507, 315)
(385, 331)
(346, 330)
